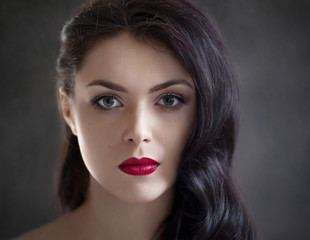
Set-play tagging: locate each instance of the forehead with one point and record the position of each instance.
(126, 60)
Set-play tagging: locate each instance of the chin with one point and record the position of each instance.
(134, 191)
(143, 193)
(140, 198)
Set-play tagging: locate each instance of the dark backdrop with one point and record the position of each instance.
(269, 43)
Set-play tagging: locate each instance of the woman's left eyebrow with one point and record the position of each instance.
(170, 83)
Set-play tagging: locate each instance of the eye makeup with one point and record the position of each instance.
(106, 102)
(167, 102)
(171, 101)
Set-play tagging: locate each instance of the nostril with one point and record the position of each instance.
(132, 140)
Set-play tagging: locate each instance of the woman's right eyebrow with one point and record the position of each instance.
(107, 84)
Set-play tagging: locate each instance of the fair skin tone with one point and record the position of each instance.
(131, 99)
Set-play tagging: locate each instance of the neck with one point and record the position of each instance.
(113, 218)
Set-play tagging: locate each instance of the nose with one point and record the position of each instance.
(138, 126)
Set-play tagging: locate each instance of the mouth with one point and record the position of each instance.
(139, 167)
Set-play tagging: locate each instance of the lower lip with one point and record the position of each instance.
(140, 169)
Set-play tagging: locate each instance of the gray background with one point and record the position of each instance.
(269, 43)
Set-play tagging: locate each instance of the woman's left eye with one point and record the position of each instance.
(171, 101)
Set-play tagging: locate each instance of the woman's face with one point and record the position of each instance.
(131, 100)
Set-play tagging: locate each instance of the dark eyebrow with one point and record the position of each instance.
(119, 88)
(107, 84)
(168, 84)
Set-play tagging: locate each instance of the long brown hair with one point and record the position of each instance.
(206, 204)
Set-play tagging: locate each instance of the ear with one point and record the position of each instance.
(67, 109)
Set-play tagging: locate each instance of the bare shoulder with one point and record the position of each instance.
(58, 229)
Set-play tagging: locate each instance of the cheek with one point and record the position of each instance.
(174, 133)
(178, 126)
(96, 136)
(99, 146)
(93, 125)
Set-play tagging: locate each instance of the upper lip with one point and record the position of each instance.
(141, 161)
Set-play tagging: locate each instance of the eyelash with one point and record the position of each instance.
(180, 102)
(96, 103)
(180, 99)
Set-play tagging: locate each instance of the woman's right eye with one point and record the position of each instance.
(106, 102)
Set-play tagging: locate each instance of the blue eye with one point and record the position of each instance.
(106, 102)
(171, 101)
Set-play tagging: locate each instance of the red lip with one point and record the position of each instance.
(139, 167)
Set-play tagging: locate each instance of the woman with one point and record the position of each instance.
(150, 102)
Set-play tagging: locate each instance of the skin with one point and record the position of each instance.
(131, 99)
